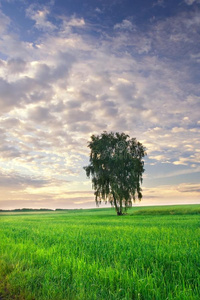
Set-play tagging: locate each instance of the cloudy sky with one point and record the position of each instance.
(72, 68)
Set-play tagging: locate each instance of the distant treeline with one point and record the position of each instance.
(34, 209)
(57, 209)
(25, 209)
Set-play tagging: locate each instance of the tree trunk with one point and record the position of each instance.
(121, 209)
(118, 210)
(119, 213)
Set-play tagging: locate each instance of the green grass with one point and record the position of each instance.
(151, 253)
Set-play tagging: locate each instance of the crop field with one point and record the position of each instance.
(150, 253)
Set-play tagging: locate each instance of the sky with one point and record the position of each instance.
(73, 68)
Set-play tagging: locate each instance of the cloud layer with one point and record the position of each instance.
(76, 78)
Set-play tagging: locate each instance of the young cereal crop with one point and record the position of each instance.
(151, 253)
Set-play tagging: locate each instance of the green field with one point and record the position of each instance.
(151, 253)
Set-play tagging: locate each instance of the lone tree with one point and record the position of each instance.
(116, 169)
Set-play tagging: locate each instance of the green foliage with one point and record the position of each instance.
(116, 168)
(90, 254)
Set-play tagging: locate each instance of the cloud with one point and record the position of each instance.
(178, 129)
(159, 3)
(177, 193)
(98, 10)
(10, 43)
(125, 25)
(67, 84)
(181, 161)
(17, 182)
(189, 188)
(40, 114)
(40, 16)
(20, 92)
(196, 57)
(170, 34)
(190, 2)
(76, 22)
(16, 66)
(4, 22)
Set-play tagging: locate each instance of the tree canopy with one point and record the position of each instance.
(116, 167)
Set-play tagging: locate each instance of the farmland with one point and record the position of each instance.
(150, 253)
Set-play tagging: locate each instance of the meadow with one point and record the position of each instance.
(150, 253)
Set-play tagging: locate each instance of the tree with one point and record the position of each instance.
(116, 169)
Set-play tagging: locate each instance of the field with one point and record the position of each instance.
(151, 253)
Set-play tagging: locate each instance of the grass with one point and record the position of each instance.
(151, 253)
